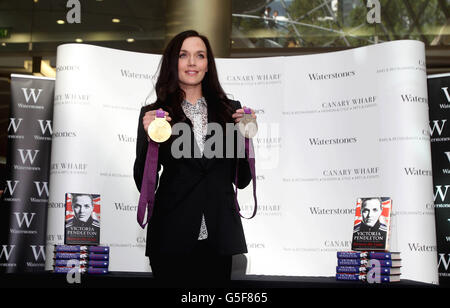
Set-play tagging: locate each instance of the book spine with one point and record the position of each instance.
(64, 262)
(361, 269)
(99, 249)
(364, 262)
(379, 263)
(81, 256)
(75, 248)
(68, 255)
(350, 277)
(90, 263)
(98, 263)
(350, 269)
(99, 256)
(384, 270)
(351, 255)
(385, 279)
(97, 271)
(67, 248)
(89, 270)
(380, 255)
(351, 262)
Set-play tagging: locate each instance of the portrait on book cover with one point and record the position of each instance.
(82, 219)
(372, 223)
(372, 214)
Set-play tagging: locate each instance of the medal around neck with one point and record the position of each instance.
(159, 129)
(247, 125)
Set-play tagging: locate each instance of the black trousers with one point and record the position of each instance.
(203, 267)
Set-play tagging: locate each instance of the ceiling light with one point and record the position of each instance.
(60, 22)
(116, 20)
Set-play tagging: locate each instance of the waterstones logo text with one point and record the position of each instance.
(409, 98)
(337, 211)
(416, 171)
(133, 75)
(333, 141)
(421, 247)
(328, 76)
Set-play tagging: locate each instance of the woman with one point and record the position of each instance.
(195, 228)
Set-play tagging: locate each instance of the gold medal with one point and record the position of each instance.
(159, 129)
(247, 125)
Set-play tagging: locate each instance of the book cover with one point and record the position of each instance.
(372, 224)
(82, 219)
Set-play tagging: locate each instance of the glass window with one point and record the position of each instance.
(338, 23)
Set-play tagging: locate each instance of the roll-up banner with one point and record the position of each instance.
(333, 127)
(25, 198)
(439, 102)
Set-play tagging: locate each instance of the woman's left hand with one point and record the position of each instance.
(240, 113)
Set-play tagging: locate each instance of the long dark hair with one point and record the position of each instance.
(169, 95)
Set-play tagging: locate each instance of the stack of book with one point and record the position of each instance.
(86, 259)
(368, 266)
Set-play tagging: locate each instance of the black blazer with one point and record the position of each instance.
(188, 188)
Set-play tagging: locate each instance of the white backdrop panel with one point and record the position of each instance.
(333, 127)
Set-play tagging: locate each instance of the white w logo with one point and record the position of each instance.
(48, 125)
(40, 189)
(31, 94)
(445, 262)
(437, 127)
(40, 251)
(448, 156)
(24, 218)
(13, 124)
(10, 188)
(440, 193)
(5, 251)
(28, 155)
(446, 93)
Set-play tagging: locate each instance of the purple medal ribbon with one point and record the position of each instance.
(147, 197)
(250, 153)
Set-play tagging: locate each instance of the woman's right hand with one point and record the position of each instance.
(150, 116)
